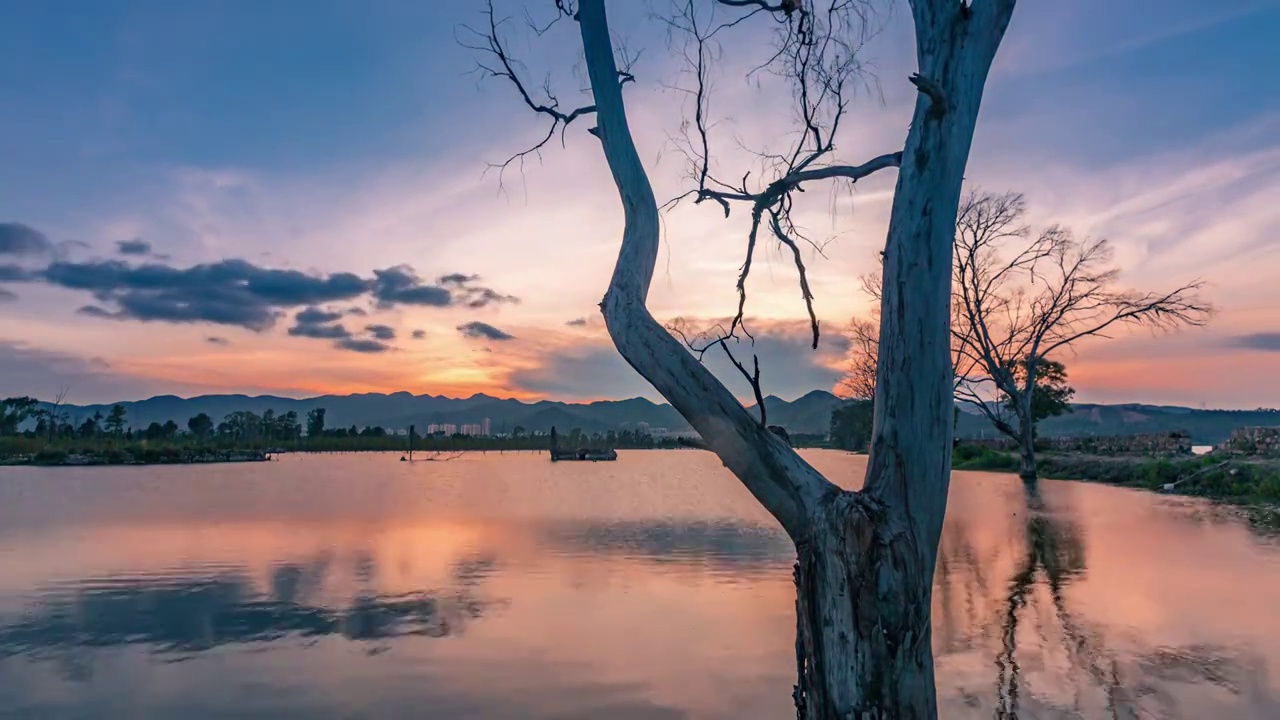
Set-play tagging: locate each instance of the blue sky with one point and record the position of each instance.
(340, 137)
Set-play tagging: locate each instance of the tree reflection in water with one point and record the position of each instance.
(1132, 683)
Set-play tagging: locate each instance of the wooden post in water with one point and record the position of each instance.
(410, 443)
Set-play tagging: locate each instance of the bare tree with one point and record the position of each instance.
(866, 558)
(1011, 312)
(1019, 302)
(859, 380)
(53, 414)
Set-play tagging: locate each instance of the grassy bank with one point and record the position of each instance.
(1236, 480)
(133, 455)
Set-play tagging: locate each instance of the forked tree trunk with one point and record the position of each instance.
(866, 559)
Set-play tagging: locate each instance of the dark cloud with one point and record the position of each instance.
(362, 346)
(1267, 341)
(457, 279)
(215, 340)
(239, 293)
(577, 322)
(470, 295)
(133, 247)
(483, 331)
(419, 334)
(229, 292)
(7, 295)
(15, 273)
(479, 297)
(401, 285)
(97, 312)
(382, 332)
(320, 331)
(18, 239)
(315, 316)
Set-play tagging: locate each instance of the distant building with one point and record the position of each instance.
(484, 427)
(664, 434)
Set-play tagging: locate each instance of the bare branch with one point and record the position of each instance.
(488, 42)
(937, 98)
(785, 6)
(702, 341)
(776, 224)
(817, 57)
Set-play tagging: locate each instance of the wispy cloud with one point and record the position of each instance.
(483, 331)
(133, 247)
(363, 345)
(1266, 341)
(19, 239)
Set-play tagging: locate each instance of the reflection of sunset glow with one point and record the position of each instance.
(658, 574)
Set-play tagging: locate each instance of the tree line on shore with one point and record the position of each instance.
(28, 426)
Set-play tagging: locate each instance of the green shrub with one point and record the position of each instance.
(49, 457)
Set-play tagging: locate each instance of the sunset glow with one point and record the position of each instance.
(180, 156)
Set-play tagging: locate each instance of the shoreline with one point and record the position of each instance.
(117, 458)
(1247, 482)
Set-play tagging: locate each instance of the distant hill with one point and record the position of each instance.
(1207, 427)
(810, 413)
(400, 410)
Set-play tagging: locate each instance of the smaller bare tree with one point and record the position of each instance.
(859, 381)
(53, 415)
(1014, 310)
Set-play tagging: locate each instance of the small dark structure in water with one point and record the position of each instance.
(582, 454)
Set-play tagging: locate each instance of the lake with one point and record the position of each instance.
(505, 586)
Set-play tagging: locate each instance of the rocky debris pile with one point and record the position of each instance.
(1253, 442)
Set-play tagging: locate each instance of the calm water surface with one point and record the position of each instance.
(503, 586)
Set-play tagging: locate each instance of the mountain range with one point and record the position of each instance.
(810, 413)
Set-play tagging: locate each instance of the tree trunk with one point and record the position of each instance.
(865, 560)
(1027, 423)
(863, 593)
(1027, 455)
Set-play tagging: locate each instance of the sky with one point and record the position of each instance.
(295, 197)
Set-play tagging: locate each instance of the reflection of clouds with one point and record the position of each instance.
(724, 544)
(196, 612)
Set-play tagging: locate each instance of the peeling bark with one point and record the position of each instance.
(863, 602)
